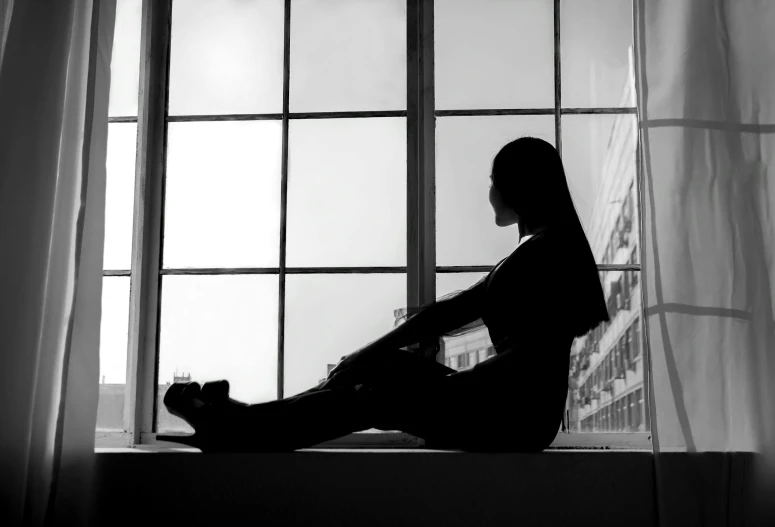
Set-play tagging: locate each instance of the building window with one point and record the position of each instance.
(462, 360)
(636, 342)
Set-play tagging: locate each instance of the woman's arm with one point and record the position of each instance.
(433, 321)
(436, 319)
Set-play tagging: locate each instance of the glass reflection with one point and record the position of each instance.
(607, 390)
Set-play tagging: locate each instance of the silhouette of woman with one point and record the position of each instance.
(534, 303)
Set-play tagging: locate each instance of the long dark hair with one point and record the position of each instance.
(530, 177)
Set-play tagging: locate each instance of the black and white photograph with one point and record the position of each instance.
(387, 262)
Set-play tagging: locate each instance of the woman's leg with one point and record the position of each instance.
(322, 414)
(399, 364)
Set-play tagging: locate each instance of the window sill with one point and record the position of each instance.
(355, 487)
(159, 449)
(633, 441)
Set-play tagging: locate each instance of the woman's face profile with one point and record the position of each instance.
(504, 216)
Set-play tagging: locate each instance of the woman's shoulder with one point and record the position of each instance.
(545, 243)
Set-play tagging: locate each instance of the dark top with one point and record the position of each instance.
(524, 301)
(523, 297)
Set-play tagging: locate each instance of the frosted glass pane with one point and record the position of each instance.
(219, 327)
(606, 366)
(494, 54)
(466, 233)
(329, 316)
(114, 329)
(226, 57)
(595, 46)
(125, 60)
(119, 195)
(348, 55)
(449, 282)
(223, 194)
(347, 192)
(599, 153)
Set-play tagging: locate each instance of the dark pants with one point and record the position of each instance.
(403, 391)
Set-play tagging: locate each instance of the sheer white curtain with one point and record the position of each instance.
(54, 80)
(706, 81)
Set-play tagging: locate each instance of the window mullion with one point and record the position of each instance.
(420, 155)
(283, 202)
(557, 80)
(147, 219)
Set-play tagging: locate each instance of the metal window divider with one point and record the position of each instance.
(145, 293)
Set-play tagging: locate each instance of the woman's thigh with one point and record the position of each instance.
(397, 366)
(481, 419)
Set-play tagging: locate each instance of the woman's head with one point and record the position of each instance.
(529, 187)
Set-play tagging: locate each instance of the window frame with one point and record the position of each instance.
(148, 218)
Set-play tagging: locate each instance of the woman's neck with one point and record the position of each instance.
(529, 230)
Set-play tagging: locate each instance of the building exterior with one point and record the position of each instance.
(607, 390)
(110, 408)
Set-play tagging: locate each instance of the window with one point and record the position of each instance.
(462, 360)
(285, 133)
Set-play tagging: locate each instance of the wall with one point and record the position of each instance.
(371, 488)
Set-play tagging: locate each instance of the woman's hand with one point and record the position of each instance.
(359, 357)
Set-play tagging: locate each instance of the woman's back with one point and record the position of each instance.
(525, 295)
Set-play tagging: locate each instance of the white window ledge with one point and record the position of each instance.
(399, 440)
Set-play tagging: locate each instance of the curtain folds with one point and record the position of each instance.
(706, 88)
(54, 86)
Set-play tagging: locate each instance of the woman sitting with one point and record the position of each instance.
(534, 303)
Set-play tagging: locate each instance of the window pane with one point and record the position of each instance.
(348, 55)
(226, 57)
(119, 195)
(466, 233)
(114, 334)
(347, 192)
(495, 54)
(596, 44)
(223, 194)
(607, 364)
(125, 60)
(218, 327)
(329, 316)
(599, 157)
